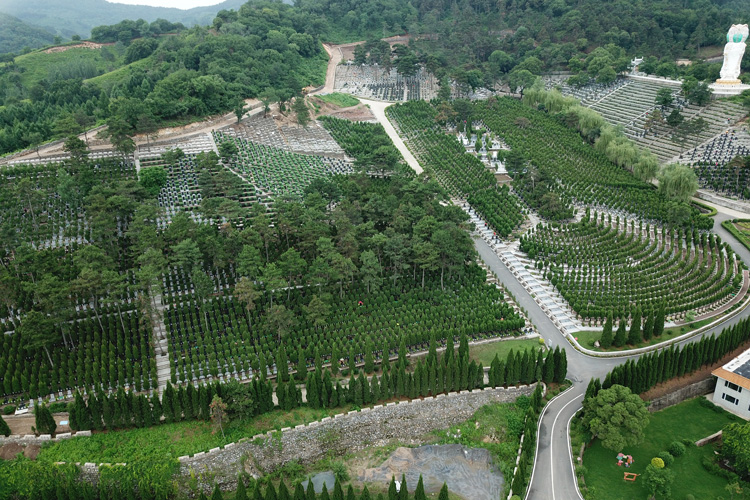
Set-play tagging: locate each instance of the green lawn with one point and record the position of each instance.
(171, 440)
(339, 99)
(688, 420)
(740, 229)
(484, 353)
(587, 337)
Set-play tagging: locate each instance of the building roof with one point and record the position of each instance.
(736, 371)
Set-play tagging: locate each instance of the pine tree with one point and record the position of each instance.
(634, 336)
(4, 429)
(621, 334)
(606, 340)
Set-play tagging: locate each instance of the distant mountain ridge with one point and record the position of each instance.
(16, 34)
(71, 17)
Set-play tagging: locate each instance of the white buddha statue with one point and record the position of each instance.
(733, 52)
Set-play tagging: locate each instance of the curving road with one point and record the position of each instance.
(553, 476)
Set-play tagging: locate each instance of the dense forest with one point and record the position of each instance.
(16, 34)
(271, 50)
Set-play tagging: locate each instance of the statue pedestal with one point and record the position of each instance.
(727, 88)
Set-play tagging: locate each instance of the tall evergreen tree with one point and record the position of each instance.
(241, 493)
(216, 495)
(443, 492)
(403, 492)
(634, 336)
(659, 321)
(621, 334)
(4, 428)
(606, 340)
(648, 327)
(419, 493)
(549, 368)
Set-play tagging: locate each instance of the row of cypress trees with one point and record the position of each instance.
(652, 326)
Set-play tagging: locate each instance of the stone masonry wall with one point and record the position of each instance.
(691, 391)
(345, 433)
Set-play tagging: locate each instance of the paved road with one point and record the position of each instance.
(553, 476)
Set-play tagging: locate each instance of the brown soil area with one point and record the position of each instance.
(702, 374)
(82, 45)
(21, 424)
(357, 113)
(11, 450)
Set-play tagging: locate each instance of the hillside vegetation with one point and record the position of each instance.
(16, 34)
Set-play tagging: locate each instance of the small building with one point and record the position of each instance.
(733, 385)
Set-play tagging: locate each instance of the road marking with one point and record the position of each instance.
(552, 442)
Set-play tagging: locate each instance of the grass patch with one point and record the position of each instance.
(689, 421)
(587, 337)
(339, 99)
(485, 353)
(740, 229)
(38, 66)
(171, 440)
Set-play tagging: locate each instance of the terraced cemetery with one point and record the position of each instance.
(610, 267)
(629, 103)
(373, 82)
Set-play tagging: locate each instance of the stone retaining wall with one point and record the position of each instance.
(676, 397)
(350, 432)
(32, 439)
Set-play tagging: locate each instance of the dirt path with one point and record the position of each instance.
(378, 109)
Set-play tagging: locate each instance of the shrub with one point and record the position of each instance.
(677, 449)
(667, 458)
(9, 410)
(713, 468)
(657, 462)
(58, 407)
(340, 472)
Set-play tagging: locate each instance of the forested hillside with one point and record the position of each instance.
(15, 35)
(267, 50)
(78, 17)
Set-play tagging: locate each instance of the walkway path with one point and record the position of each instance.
(378, 109)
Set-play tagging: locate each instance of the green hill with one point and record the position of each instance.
(68, 18)
(16, 34)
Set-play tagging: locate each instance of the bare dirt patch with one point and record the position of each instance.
(702, 374)
(20, 425)
(82, 45)
(9, 451)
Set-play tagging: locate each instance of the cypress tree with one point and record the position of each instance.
(352, 361)
(492, 374)
(402, 352)
(189, 404)
(432, 351)
(108, 412)
(621, 334)
(216, 495)
(350, 493)
(403, 492)
(419, 493)
(43, 420)
(241, 492)
(299, 492)
(156, 409)
(385, 362)
(439, 379)
(526, 368)
(538, 366)
(4, 429)
(392, 493)
(549, 368)
(335, 356)
(283, 492)
(659, 321)
(310, 493)
(281, 395)
(364, 496)
(95, 410)
(443, 492)
(167, 401)
(369, 360)
(324, 493)
(590, 390)
(271, 492)
(301, 365)
(180, 397)
(463, 347)
(282, 365)
(606, 340)
(338, 493)
(634, 336)
(449, 347)
(648, 327)
(561, 365)
(375, 389)
(449, 369)
(318, 360)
